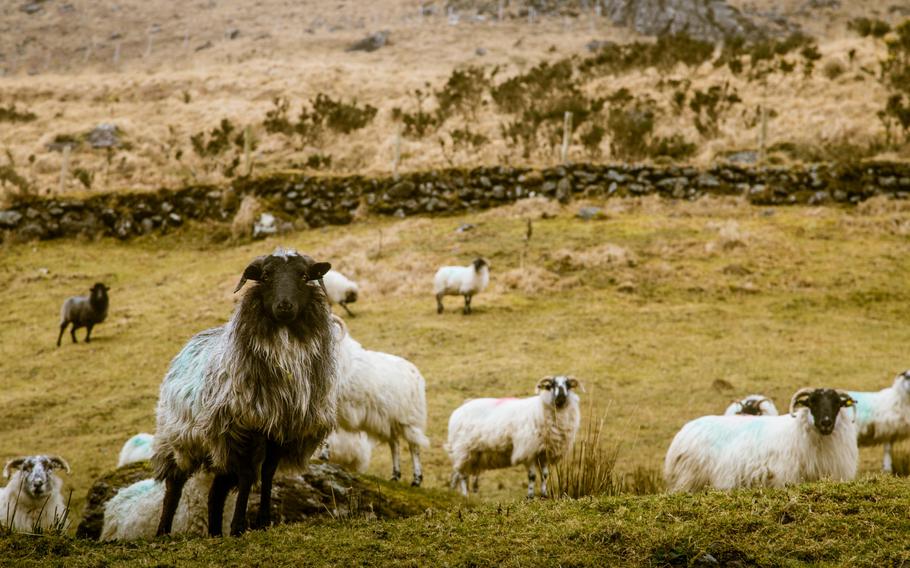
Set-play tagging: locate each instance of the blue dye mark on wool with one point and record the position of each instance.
(187, 372)
(864, 405)
(140, 441)
(138, 488)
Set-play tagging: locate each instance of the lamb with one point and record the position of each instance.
(883, 417)
(464, 281)
(84, 311)
(133, 512)
(136, 449)
(258, 391)
(492, 433)
(384, 396)
(341, 290)
(726, 452)
(350, 450)
(752, 405)
(32, 500)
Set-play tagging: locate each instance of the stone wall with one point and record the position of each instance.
(320, 201)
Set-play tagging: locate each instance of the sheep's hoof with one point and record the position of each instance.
(439, 310)
(418, 479)
(238, 530)
(396, 476)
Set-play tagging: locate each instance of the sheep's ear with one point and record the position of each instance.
(58, 463)
(318, 270)
(252, 272)
(545, 383)
(847, 400)
(575, 384)
(12, 464)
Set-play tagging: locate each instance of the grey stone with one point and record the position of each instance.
(564, 190)
(104, 136)
(174, 219)
(9, 219)
(499, 192)
(265, 226)
(31, 8)
(707, 181)
(745, 157)
(590, 213)
(371, 43)
(480, 51)
(465, 227)
(711, 20)
(147, 225)
(819, 197)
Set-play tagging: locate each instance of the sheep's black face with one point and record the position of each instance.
(286, 283)
(99, 291)
(36, 473)
(557, 390)
(902, 383)
(751, 407)
(824, 405)
(350, 297)
(479, 264)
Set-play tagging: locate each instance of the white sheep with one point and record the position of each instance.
(136, 449)
(341, 290)
(350, 450)
(466, 281)
(382, 395)
(726, 452)
(752, 405)
(132, 513)
(32, 500)
(493, 433)
(883, 417)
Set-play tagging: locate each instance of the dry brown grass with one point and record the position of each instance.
(296, 50)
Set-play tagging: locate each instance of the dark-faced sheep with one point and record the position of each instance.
(84, 311)
(259, 390)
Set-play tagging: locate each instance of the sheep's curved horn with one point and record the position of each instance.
(847, 401)
(12, 464)
(545, 382)
(341, 325)
(59, 463)
(252, 272)
(574, 383)
(799, 399)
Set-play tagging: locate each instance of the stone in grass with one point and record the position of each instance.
(591, 214)
(265, 226)
(104, 136)
(371, 43)
(465, 227)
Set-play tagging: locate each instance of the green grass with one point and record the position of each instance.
(771, 303)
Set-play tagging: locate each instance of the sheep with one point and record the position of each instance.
(132, 512)
(384, 396)
(350, 450)
(341, 290)
(726, 452)
(136, 449)
(752, 405)
(258, 391)
(84, 311)
(464, 281)
(883, 417)
(32, 500)
(492, 433)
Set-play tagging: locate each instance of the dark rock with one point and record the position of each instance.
(480, 52)
(464, 228)
(232, 33)
(403, 189)
(204, 46)
(590, 213)
(124, 228)
(564, 190)
(596, 45)
(710, 20)
(31, 8)
(499, 192)
(104, 136)
(32, 231)
(371, 43)
(9, 219)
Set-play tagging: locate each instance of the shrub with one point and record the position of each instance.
(340, 116)
(588, 468)
(668, 51)
(865, 27)
(12, 114)
(276, 120)
(895, 74)
(832, 69)
(216, 143)
(710, 106)
(630, 123)
(463, 93)
(419, 123)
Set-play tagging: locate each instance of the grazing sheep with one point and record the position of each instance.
(492, 433)
(133, 512)
(752, 405)
(726, 452)
(84, 311)
(32, 500)
(883, 417)
(461, 281)
(350, 450)
(382, 395)
(258, 391)
(341, 290)
(136, 449)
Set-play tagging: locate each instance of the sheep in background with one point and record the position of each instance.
(84, 311)
(258, 391)
(350, 450)
(132, 513)
(752, 405)
(727, 452)
(384, 396)
(493, 433)
(464, 281)
(136, 449)
(883, 417)
(341, 290)
(32, 500)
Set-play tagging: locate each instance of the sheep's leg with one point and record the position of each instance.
(476, 485)
(461, 481)
(244, 484)
(415, 462)
(544, 475)
(531, 479)
(345, 306)
(467, 304)
(73, 333)
(886, 460)
(218, 493)
(269, 465)
(62, 329)
(396, 460)
(439, 308)
(88, 334)
(173, 489)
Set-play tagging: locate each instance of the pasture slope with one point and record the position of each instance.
(666, 310)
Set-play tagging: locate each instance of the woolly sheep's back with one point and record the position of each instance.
(482, 432)
(138, 448)
(881, 417)
(350, 450)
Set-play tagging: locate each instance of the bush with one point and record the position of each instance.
(12, 114)
(710, 106)
(832, 69)
(276, 120)
(664, 54)
(865, 27)
(339, 116)
(630, 123)
(462, 93)
(588, 469)
(419, 123)
(895, 75)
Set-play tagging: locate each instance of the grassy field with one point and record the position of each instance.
(665, 311)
